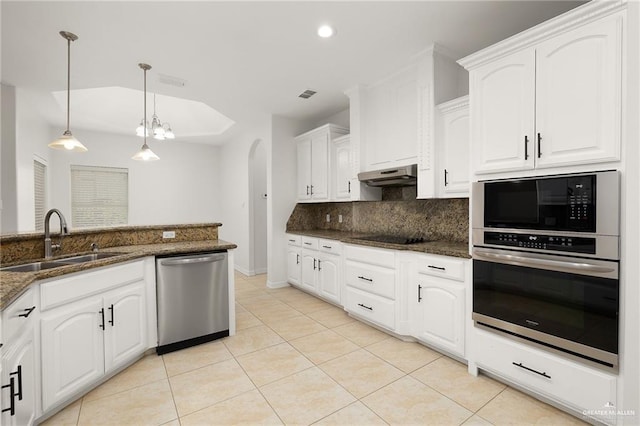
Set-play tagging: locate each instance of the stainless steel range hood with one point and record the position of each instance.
(397, 176)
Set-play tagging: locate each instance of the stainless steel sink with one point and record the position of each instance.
(33, 266)
(49, 264)
(89, 257)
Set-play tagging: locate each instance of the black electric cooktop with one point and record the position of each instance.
(393, 239)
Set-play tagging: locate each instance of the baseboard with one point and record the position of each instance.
(244, 271)
(277, 284)
(261, 271)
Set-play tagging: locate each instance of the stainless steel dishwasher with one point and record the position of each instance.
(193, 299)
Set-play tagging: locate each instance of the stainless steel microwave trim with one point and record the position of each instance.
(607, 201)
(568, 345)
(571, 265)
(397, 176)
(607, 246)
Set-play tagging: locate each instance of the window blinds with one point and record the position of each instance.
(39, 193)
(99, 196)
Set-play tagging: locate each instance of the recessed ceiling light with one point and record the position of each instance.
(326, 31)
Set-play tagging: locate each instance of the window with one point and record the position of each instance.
(39, 193)
(99, 196)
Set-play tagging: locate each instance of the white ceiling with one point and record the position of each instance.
(242, 58)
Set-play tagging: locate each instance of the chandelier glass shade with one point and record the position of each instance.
(145, 153)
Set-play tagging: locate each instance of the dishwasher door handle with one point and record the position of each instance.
(192, 260)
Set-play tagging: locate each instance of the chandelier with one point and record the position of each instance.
(159, 130)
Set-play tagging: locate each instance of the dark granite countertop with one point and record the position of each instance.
(443, 248)
(12, 284)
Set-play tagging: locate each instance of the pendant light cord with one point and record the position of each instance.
(68, 80)
(145, 106)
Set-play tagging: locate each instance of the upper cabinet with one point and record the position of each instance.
(452, 147)
(313, 162)
(551, 96)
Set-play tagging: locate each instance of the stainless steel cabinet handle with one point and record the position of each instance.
(27, 312)
(200, 259)
(365, 306)
(365, 278)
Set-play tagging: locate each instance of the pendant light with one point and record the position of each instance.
(67, 141)
(145, 153)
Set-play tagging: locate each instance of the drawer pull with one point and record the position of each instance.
(18, 373)
(439, 268)
(327, 247)
(314, 264)
(319, 268)
(27, 312)
(308, 244)
(365, 278)
(111, 321)
(297, 259)
(519, 364)
(365, 306)
(419, 293)
(12, 395)
(101, 312)
(292, 241)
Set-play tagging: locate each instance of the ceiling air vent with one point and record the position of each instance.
(307, 94)
(171, 80)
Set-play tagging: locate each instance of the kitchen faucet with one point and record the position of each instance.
(48, 247)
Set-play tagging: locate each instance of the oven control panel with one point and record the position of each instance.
(542, 242)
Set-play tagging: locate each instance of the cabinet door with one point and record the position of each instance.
(320, 166)
(72, 349)
(404, 116)
(304, 169)
(18, 363)
(343, 172)
(309, 266)
(442, 310)
(578, 95)
(294, 266)
(502, 112)
(329, 277)
(455, 153)
(126, 331)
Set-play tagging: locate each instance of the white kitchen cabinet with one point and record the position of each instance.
(439, 294)
(370, 284)
(309, 277)
(341, 177)
(452, 145)
(313, 162)
(92, 324)
(329, 272)
(322, 268)
(20, 361)
(555, 101)
(294, 261)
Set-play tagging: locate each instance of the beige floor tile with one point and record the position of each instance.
(245, 319)
(175, 422)
(184, 360)
(276, 315)
(513, 407)
(147, 370)
(150, 404)
(299, 297)
(251, 339)
(354, 414)
(323, 346)
(67, 417)
(283, 293)
(408, 401)
(360, 372)
(292, 328)
(273, 363)
(361, 334)
(451, 379)
(476, 420)
(309, 306)
(248, 293)
(263, 303)
(331, 317)
(250, 408)
(407, 356)
(306, 397)
(208, 385)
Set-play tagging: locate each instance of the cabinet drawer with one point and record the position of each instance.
(330, 246)
(310, 243)
(371, 307)
(373, 279)
(441, 266)
(83, 284)
(552, 376)
(373, 256)
(294, 240)
(20, 313)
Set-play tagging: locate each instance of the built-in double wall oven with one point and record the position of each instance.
(546, 261)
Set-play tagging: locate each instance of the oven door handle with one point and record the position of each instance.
(535, 262)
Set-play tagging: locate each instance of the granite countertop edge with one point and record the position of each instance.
(13, 284)
(440, 247)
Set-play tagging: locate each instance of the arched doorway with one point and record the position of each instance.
(258, 207)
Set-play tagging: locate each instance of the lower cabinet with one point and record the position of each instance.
(439, 294)
(85, 338)
(19, 383)
(320, 267)
(294, 260)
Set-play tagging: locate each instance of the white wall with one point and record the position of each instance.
(8, 193)
(183, 187)
(340, 118)
(234, 190)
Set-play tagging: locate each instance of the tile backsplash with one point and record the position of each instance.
(434, 219)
